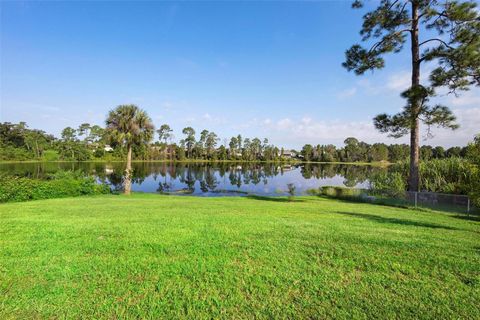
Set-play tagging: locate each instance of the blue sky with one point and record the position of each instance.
(266, 69)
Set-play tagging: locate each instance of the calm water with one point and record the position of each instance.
(210, 179)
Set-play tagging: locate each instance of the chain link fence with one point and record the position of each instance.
(432, 200)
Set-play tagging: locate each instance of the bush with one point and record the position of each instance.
(62, 184)
(291, 191)
(392, 183)
(50, 155)
(8, 152)
(341, 192)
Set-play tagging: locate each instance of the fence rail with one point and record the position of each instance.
(433, 200)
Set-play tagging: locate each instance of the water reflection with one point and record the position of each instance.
(208, 179)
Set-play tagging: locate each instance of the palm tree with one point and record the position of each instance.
(129, 125)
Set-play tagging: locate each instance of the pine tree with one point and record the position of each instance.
(454, 49)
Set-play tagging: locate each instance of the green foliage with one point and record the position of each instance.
(340, 192)
(307, 152)
(389, 24)
(61, 184)
(291, 191)
(473, 150)
(450, 175)
(50, 155)
(10, 152)
(129, 125)
(392, 183)
(17, 142)
(417, 98)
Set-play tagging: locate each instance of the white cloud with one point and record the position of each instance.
(347, 93)
(285, 123)
(297, 132)
(468, 120)
(399, 81)
(468, 98)
(167, 105)
(393, 83)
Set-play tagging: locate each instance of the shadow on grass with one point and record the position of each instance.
(404, 222)
(469, 218)
(273, 199)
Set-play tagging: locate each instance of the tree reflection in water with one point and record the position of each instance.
(206, 178)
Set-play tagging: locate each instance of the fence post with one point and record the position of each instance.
(416, 195)
(468, 206)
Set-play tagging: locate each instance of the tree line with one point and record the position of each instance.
(359, 151)
(87, 142)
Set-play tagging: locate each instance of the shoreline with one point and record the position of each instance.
(377, 164)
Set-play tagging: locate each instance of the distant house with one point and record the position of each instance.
(108, 148)
(289, 154)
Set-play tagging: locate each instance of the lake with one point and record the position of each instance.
(209, 179)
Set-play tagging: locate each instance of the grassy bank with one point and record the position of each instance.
(150, 256)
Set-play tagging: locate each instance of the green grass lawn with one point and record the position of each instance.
(151, 256)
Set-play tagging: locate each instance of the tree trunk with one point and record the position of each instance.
(37, 153)
(414, 178)
(128, 172)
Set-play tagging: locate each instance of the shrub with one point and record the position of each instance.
(61, 184)
(392, 183)
(341, 192)
(291, 191)
(50, 155)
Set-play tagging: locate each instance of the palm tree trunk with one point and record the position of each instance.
(128, 172)
(414, 177)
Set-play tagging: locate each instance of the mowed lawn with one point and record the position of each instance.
(152, 256)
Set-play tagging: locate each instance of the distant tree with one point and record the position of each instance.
(452, 41)
(329, 153)
(454, 152)
(439, 152)
(129, 126)
(239, 142)
(69, 134)
(247, 149)
(211, 143)
(352, 149)
(164, 133)
(84, 130)
(233, 147)
(96, 134)
(256, 147)
(426, 152)
(222, 153)
(180, 152)
(378, 152)
(37, 140)
(398, 152)
(69, 137)
(473, 150)
(307, 152)
(201, 144)
(189, 140)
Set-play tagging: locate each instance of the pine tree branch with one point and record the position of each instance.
(436, 39)
(387, 37)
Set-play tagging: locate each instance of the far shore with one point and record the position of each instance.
(286, 162)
